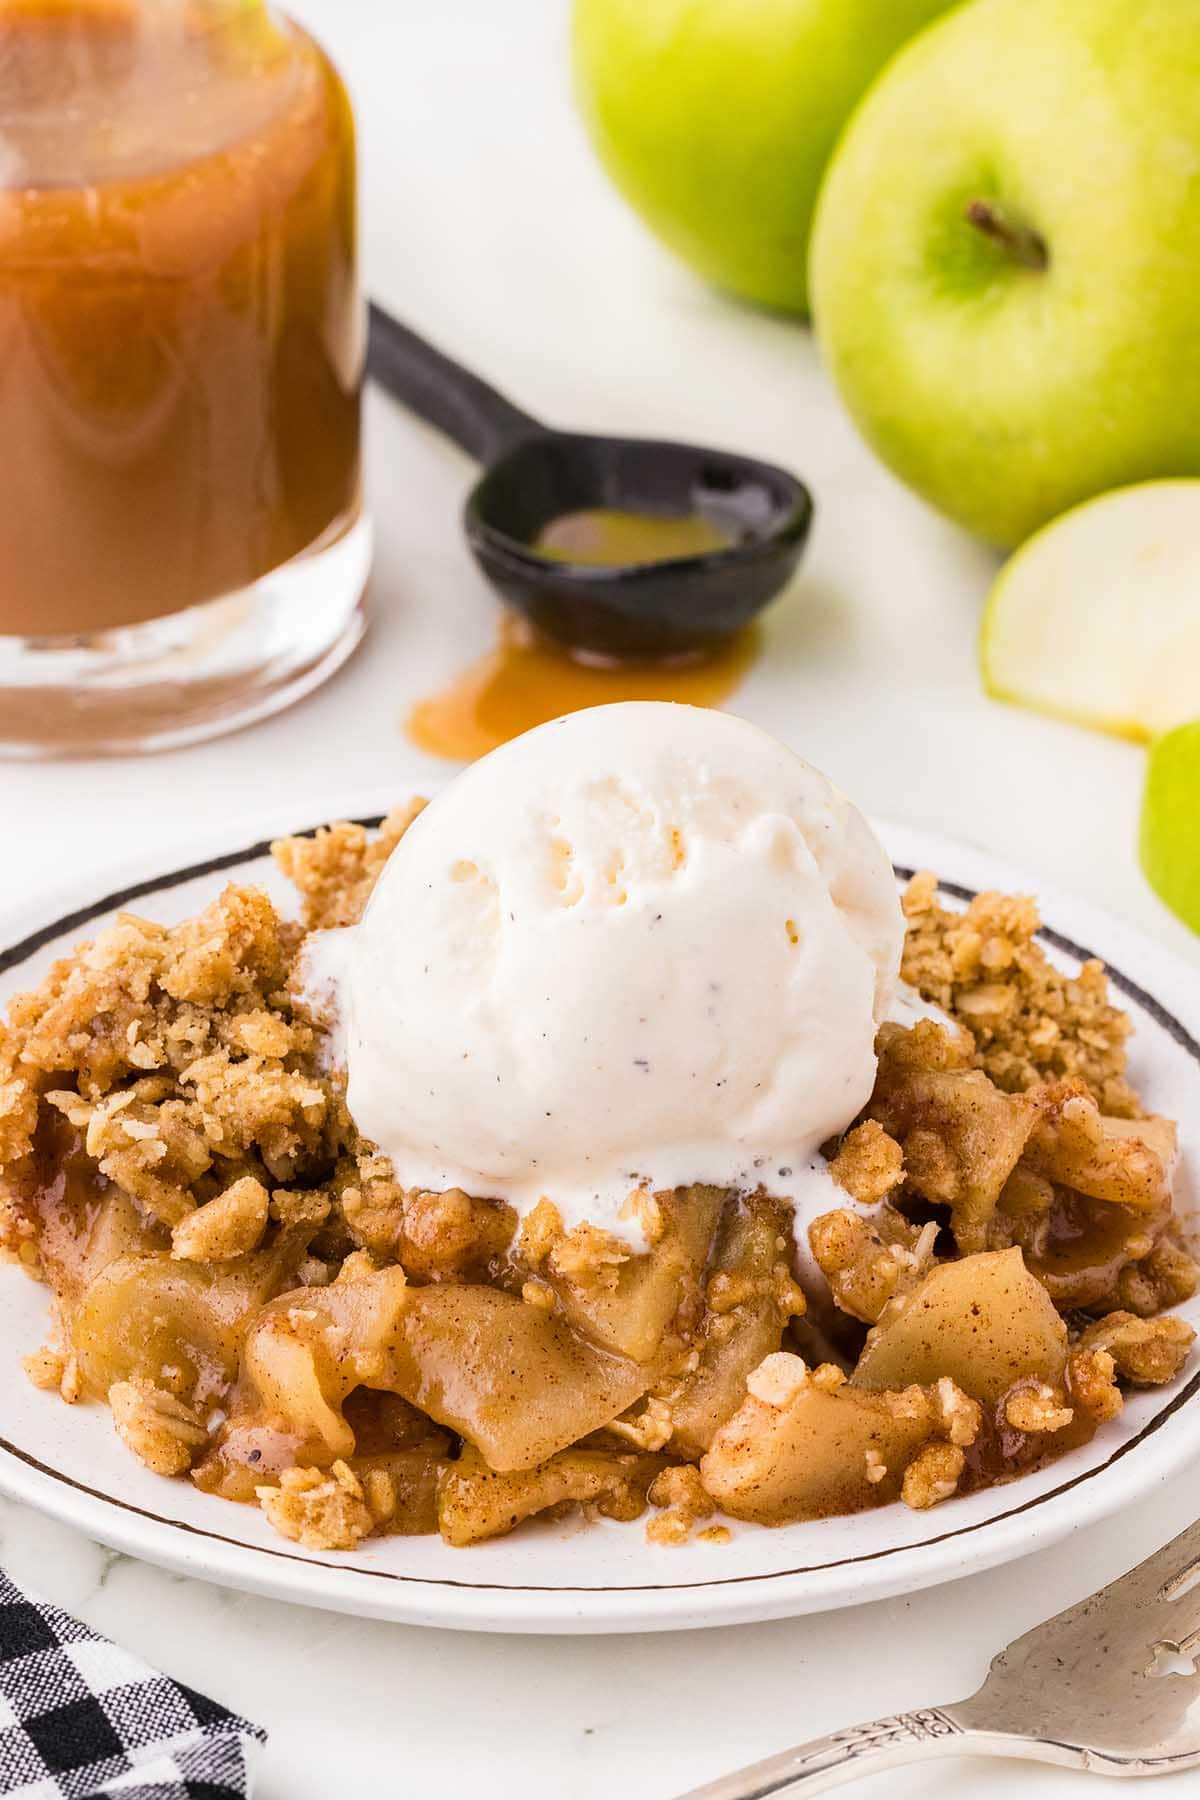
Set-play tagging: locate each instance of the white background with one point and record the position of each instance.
(488, 227)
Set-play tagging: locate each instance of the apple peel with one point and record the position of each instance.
(1170, 830)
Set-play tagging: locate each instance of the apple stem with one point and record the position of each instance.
(1023, 244)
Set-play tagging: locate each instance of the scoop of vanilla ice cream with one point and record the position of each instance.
(644, 944)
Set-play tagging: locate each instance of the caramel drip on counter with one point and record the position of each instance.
(526, 680)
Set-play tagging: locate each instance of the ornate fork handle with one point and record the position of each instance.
(845, 1755)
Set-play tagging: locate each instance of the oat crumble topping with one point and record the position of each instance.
(1037, 1408)
(265, 1308)
(160, 1429)
(321, 1509)
(778, 1378)
(933, 1475)
(1030, 1022)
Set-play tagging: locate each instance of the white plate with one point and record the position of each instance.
(67, 1461)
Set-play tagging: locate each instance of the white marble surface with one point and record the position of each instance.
(487, 225)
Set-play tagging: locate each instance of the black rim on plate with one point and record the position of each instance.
(28, 946)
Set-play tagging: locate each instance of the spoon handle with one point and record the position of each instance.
(442, 392)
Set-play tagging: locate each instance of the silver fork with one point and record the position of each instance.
(1104, 1686)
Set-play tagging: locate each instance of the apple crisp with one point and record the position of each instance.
(270, 1313)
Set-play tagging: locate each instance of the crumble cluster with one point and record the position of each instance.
(336, 868)
(1030, 1022)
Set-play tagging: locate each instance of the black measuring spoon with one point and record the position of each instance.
(534, 474)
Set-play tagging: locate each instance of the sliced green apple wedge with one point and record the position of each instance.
(1097, 618)
(1170, 835)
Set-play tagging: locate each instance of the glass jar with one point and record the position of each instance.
(182, 544)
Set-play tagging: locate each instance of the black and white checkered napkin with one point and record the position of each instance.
(81, 1719)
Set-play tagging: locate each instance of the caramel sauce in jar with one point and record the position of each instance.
(180, 329)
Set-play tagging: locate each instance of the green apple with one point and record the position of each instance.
(1097, 617)
(1006, 259)
(716, 118)
(1170, 838)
